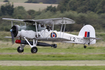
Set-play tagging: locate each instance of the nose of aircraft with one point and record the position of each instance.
(14, 32)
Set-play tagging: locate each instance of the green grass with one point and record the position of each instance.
(54, 54)
(51, 57)
(64, 51)
(3, 34)
(52, 68)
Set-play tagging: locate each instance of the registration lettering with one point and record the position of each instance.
(74, 39)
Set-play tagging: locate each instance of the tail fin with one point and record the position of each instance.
(88, 32)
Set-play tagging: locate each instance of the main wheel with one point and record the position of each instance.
(34, 50)
(20, 50)
(85, 46)
(54, 46)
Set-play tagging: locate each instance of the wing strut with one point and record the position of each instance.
(53, 25)
(28, 42)
(64, 26)
(11, 23)
(36, 29)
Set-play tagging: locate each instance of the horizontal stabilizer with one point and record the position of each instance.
(92, 38)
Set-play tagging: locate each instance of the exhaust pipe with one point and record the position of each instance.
(38, 43)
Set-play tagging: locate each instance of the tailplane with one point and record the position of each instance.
(88, 32)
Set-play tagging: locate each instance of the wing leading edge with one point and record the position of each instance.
(52, 39)
(92, 38)
(54, 21)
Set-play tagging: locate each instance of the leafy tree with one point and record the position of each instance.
(7, 9)
(101, 7)
(82, 5)
(20, 12)
(6, 1)
(0, 13)
(32, 1)
(31, 13)
(81, 11)
(50, 8)
(63, 5)
(44, 1)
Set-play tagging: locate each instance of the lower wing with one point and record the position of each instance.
(52, 39)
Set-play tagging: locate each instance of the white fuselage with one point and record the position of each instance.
(69, 38)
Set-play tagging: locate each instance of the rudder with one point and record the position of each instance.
(88, 31)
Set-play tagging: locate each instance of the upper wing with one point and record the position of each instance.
(54, 21)
(11, 19)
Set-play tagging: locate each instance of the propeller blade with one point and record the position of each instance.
(12, 35)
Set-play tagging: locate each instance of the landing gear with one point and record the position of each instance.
(34, 50)
(85, 46)
(54, 46)
(20, 50)
(33, 45)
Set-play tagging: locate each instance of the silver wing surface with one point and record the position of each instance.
(52, 39)
(54, 21)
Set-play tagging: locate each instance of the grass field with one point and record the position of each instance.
(69, 52)
(63, 52)
(31, 6)
(52, 68)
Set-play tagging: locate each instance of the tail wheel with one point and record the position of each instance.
(34, 50)
(20, 50)
(54, 46)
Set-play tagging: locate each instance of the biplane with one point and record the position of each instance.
(43, 30)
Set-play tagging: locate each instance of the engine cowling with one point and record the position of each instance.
(23, 31)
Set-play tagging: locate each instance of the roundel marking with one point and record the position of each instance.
(53, 35)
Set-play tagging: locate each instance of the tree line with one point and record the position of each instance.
(82, 6)
(94, 15)
(44, 1)
(9, 11)
(40, 1)
(83, 12)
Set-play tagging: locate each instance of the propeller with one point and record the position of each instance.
(14, 32)
(12, 35)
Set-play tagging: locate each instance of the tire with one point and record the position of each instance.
(85, 46)
(34, 50)
(54, 46)
(20, 50)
